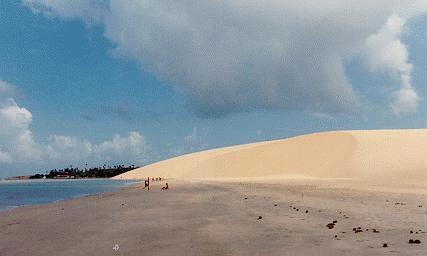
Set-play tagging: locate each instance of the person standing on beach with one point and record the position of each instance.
(147, 183)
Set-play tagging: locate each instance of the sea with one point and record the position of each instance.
(15, 193)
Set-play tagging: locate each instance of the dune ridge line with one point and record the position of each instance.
(399, 155)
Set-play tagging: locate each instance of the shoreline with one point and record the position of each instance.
(201, 217)
(71, 197)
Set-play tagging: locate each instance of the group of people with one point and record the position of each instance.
(147, 183)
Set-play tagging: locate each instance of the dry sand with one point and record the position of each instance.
(367, 179)
(382, 155)
(214, 218)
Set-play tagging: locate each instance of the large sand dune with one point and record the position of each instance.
(399, 155)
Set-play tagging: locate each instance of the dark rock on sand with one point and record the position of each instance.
(330, 225)
(357, 230)
(416, 241)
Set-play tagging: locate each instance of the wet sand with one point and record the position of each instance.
(287, 217)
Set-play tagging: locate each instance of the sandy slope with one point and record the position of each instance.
(399, 155)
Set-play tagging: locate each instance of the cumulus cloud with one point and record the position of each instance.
(18, 146)
(387, 53)
(132, 149)
(68, 149)
(16, 139)
(405, 101)
(238, 55)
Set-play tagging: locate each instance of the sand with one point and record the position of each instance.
(214, 218)
(382, 155)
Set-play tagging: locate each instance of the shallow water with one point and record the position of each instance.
(25, 192)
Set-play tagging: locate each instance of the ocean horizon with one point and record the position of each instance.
(16, 193)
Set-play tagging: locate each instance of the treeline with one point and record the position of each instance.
(76, 173)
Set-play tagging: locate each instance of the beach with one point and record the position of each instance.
(238, 217)
(333, 193)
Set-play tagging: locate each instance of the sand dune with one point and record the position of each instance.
(399, 155)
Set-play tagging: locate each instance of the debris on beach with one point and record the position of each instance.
(414, 241)
(330, 225)
(357, 230)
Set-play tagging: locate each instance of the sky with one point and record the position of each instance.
(137, 81)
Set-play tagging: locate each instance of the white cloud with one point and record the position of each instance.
(17, 144)
(18, 147)
(68, 149)
(16, 138)
(132, 147)
(405, 101)
(386, 52)
(239, 55)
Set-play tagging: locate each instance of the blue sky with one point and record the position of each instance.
(182, 82)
